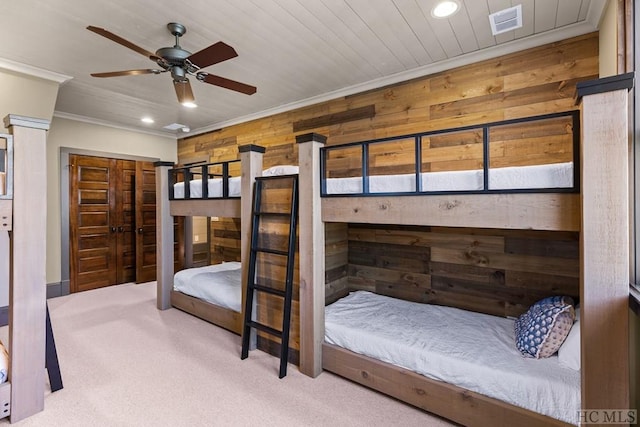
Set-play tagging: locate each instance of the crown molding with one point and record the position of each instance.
(32, 71)
(84, 119)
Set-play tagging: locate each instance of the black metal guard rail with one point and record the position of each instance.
(202, 170)
(575, 117)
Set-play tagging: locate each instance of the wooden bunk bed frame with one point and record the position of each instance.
(251, 166)
(599, 213)
(23, 213)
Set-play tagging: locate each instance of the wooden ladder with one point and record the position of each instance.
(260, 247)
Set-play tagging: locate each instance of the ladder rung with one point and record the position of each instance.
(283, 214)
(271, 251)
(268, 290)
(265, 328)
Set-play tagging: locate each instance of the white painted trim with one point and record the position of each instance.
(84, 119)
(560, 34)
(30, 70)
(27, 122)
(596, 12)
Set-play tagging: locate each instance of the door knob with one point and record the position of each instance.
(140, 230)
(121, 229)
(113, 229)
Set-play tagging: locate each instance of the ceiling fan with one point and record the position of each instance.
(180, 63)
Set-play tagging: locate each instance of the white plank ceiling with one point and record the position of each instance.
(296, 52)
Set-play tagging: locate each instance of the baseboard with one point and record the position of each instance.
(57, 289)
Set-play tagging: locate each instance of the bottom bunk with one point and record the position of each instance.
(212, 293)
(455, 363)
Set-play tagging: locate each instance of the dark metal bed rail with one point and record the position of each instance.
(203, 172)
(365, 147)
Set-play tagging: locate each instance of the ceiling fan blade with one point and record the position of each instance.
(123, 42)
(227, 83)
(183, 91)
(125, 73)
(213, 54)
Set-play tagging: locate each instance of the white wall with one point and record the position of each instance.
(65, 133)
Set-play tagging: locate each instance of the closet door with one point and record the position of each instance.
(92, 229)
(112, 222)
(123, 214)
(145, 220)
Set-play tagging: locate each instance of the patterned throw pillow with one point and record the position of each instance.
(543, 328)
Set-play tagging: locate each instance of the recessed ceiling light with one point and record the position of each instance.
(445, 9)
(189, 104)
(147, 120)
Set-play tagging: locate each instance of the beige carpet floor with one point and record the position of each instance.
(125, 363)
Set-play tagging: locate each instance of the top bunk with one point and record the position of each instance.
(224, 188)
(515, 174)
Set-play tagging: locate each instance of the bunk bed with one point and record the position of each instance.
(214, 292)
(23, 214)
(228, 193)
(346, 184)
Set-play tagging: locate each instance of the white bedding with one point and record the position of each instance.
(470, 350)
(219, 284)
(557, 175)
(214, 185)
(214, 188)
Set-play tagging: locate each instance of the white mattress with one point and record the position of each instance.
(557, 175)
(214, 185)
(214, 188)
(470, 350)
(219, 284)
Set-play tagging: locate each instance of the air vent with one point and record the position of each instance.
(506, 20)
(175, 126)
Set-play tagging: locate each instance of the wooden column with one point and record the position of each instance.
(251, 163)
(27, 271)
(312, 255)
(164, 237)
(604, 243)
(188, 240)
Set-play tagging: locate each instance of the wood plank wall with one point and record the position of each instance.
(500, 272)
(536, 81)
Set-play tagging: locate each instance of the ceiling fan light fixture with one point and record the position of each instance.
(444, 9)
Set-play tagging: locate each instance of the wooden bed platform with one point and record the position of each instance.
(599, 213)
(454, 403)
(251, 166)
(223, 317)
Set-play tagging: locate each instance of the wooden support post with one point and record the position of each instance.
(251, 163)
(164, 237)
(604, 245)
(27, 272)
(188, 242)
(312, 257)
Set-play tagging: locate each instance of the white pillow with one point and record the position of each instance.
(280, 170)
(569, 351)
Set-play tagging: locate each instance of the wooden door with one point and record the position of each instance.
(145, 222)
(92, 245)
(112, 222)
(124, 214)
